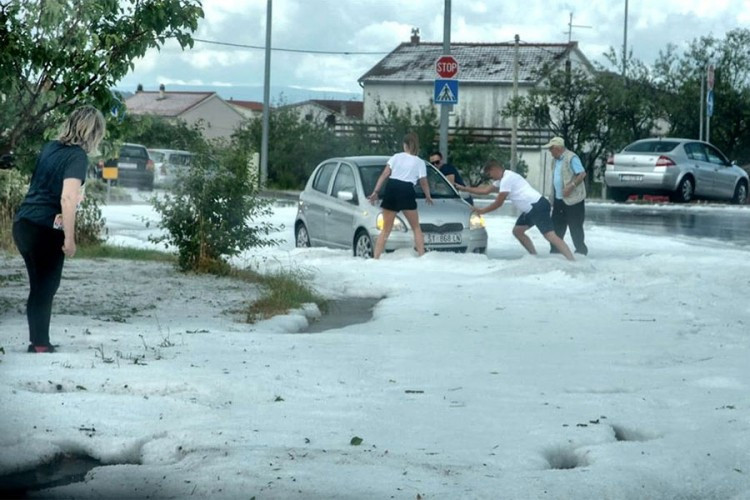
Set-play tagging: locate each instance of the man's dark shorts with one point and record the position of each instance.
(538, 216)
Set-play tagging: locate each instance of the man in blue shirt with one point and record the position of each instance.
(569, 194)
(449, 171)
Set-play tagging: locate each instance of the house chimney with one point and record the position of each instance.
(161, 91)
(415, 36)
(139, 88)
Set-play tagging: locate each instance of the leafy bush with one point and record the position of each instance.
(13, 187)
(470, 156)
(209, 214)
(89, 220)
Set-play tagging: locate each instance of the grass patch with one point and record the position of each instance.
(285, 290)
(105, 251)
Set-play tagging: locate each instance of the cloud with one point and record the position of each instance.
(380, 25)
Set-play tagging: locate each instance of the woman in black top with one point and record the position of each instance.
(44, 226)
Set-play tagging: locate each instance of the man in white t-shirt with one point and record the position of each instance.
(534, 207)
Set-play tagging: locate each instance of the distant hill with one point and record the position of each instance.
(279, 94)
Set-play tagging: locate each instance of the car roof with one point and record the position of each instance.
(363, 161)
(160, 150)
(671, 139)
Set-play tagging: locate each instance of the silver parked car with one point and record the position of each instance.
(334, 211)
(168, 163)
(682, 168)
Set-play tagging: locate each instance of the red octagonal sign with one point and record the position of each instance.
(446, 66)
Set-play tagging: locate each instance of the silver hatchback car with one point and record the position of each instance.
(682, 168)
(334, 211)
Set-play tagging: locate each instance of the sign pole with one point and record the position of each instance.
(444, 108)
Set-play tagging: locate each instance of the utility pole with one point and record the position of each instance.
(701, 99)
(514, 126)
(625, 42)
(444, 108)
(266, 101)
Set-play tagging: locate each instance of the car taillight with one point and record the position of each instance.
(665, 161)
(150, 165)
(611, 160)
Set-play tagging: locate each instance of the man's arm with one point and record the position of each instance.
(486, 189)
(577, 167)
(494, 205)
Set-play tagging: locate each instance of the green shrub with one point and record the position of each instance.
(211, 212)
(13, 187)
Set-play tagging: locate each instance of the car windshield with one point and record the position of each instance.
(439, 187)
(157, 156)
(134, 152)
(651, 147)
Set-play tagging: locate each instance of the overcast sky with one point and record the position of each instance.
(380, 25)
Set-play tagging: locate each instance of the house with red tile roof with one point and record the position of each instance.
(218, 118)
(250, 109)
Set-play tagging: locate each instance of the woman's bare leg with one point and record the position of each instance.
(388, 217)
(413, 217)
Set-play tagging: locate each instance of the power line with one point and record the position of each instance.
(299, 51)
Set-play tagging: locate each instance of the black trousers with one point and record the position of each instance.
(571, 217)
(41, 249)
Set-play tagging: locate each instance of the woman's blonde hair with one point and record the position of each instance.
(411, 141)
(84, 127)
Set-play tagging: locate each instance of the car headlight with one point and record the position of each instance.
(398, 224)
(476, 221)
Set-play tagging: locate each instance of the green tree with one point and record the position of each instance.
(58, 54)
(679, 77)
(470, 156)
(571, 105)
(295, 146)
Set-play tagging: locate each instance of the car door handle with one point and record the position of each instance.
(328, 211)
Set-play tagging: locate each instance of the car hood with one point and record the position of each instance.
(443, 211)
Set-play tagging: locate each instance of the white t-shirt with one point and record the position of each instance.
(407, 168)
(520, 192)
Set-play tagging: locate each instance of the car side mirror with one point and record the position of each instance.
(347, 196)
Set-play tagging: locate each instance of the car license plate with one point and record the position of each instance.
(442, 238)
(127, 165)
(631, 177)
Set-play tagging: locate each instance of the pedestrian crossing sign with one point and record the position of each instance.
(446, 92)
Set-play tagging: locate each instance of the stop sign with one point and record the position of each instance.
(446, 66)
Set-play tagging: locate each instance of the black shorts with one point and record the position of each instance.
(399, 195)
(538, 216)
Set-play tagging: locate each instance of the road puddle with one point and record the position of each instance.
(65, 469)
(342, 313)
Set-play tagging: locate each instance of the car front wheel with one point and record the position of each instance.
(740, 194)
(362, 245)
(685, 191)
(301, 238)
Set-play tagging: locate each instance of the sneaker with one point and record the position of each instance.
(40, 348)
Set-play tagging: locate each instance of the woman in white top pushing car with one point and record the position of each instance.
(402, 172)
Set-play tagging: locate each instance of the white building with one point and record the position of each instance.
(406, 77)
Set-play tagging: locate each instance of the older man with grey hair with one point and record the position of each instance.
(569, 194)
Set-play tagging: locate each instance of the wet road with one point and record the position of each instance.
(728, 223)
(718, 222)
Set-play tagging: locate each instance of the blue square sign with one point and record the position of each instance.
(446, 92)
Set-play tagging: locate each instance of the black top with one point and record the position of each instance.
(448, 169)
(56, 163)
